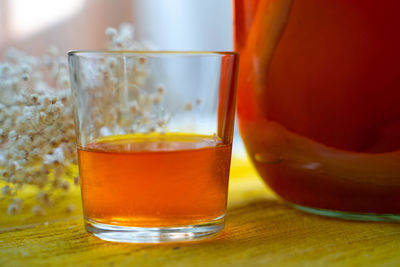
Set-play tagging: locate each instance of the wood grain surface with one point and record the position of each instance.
(260, 230)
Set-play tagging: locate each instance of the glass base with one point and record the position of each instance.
(372, 217)
(154, 234)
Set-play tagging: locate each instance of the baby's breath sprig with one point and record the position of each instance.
(37, 137)
(36, 126)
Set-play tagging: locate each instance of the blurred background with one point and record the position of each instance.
(33, 25)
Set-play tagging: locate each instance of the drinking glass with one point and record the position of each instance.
(154, 137)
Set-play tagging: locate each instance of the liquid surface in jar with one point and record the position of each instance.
(154, 181)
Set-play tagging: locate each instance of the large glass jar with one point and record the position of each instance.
(319, 102)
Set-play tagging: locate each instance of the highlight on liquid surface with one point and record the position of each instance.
(154, 180)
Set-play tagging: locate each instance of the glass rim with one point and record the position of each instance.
(150, 52)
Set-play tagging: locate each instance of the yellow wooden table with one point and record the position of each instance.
(260, 230)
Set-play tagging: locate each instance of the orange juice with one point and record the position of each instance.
(154, 181)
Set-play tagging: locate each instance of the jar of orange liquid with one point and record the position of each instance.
(319, 102)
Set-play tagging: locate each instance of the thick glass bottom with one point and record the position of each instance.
(372, 217)
(154, 234)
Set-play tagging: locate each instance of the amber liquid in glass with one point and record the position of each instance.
(319, 100)
(154, 181)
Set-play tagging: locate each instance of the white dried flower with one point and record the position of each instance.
(111, 32)
(17, 201)
(189, 106)
(13, 209)
(70, 208)
(38, 210)
(112, 62)
(53, 50)
(64, 185)
(34, 98)
(25, 68)
(161, 89)
(6, 190)
(105, 131)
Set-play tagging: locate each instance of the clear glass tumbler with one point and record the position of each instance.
(154, 137)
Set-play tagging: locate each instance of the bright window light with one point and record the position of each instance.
(28, 17)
